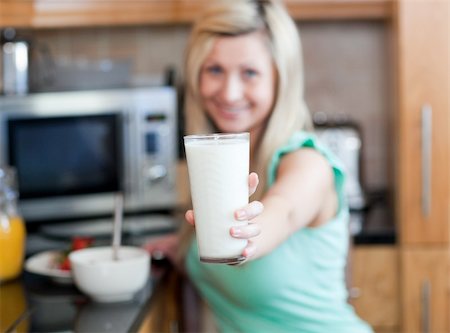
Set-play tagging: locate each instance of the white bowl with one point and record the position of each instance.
(103, 279)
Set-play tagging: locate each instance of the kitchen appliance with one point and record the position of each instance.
(344, 140)
(15, 63)
(74, 150)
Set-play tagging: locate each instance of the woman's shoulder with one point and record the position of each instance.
(305, 150)
(303, 158)
(298, 140)
(301, 146)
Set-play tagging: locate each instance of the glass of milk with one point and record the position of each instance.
(218, 166)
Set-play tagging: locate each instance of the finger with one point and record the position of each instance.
(250, 211)
(253, 182)
(250, 250)
(189, 216)
(246, 231)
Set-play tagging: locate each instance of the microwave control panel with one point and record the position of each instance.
(157, 149)
(153, 155)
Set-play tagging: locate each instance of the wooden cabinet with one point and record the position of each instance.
(425, 290)
(85, 13)
(423, 200)
(422, 30)
(374, 286)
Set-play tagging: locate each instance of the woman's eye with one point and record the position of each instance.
(250, 73)
(214, 70)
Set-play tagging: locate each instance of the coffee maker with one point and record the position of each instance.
(15, 54)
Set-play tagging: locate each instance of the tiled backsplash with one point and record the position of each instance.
(347, 71)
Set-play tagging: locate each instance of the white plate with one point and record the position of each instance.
(45, 263)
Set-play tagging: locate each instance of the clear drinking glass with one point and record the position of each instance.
(218, 166)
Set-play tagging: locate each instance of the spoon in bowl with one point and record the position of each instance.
(117, 227)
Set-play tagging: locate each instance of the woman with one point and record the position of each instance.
(244, 73)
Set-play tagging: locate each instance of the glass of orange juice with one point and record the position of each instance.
(12, 228)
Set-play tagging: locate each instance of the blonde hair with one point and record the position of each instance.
(237, 17)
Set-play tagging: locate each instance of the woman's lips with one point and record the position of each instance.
(228, 112)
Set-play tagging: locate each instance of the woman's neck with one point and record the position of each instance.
(255, 141)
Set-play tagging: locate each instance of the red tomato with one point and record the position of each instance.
(65, 264)
(79, 243)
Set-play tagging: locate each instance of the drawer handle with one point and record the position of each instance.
(426, 298)
(427, 117)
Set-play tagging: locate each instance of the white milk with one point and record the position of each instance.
(218, 173)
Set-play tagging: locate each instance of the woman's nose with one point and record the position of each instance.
(232, 88)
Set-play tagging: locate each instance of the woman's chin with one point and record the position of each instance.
(232, 129)
(230, 126)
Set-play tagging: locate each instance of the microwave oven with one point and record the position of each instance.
(73, 151)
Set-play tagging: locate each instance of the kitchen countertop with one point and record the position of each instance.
(39, 304)
(374, 223)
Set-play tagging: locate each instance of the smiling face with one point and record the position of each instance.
(237, 83)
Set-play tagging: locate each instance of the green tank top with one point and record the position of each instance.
(298, 287)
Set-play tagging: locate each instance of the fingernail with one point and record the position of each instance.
(241, 214)
(236, 232)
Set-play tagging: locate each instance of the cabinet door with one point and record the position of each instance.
(374, 286)
(425, 290)
(422, 39)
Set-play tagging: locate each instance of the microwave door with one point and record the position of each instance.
(59, 158)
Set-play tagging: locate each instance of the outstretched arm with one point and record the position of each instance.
(303, 195)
